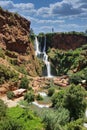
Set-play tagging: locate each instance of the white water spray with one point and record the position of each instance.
(37, 50)
(45, 56)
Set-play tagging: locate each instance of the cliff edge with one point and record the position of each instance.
(16, 44)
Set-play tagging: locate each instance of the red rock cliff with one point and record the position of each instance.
(15, 40)
(68, 41)
(63, 41)
(14, 32)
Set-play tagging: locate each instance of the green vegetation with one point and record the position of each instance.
(21, 69)
(39, 97)
(24, 83)
(3, 109)
(73, 99)
(17, 118)
(71, 63)
(1, 8)
(79, 77)
(25, 117)
(10, 95)
(7, 74)
(68, 111)
(51, 91)
(11, 54)
(2, 54)
(10, 124)
(29, 97)
(55, 119)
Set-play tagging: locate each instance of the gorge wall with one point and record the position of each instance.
(63, 41)
(14, 37)
(14, 32)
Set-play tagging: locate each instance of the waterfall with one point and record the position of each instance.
(45, 56)
(44, 48)
(37, 50)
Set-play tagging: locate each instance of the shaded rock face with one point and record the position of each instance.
(63, 41)
(14, 32)
(69, 41)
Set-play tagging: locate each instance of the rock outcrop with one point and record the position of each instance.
(64, 41)
(16, 44)
(14, 32)
(68, 41)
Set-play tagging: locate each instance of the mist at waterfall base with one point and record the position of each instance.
(42, 54)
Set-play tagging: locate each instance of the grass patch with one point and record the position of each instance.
(25, 116)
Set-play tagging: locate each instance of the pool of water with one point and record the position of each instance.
(40, 105)
(43, 94)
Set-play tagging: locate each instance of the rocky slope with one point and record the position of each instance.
(15, 43)
(14, 32)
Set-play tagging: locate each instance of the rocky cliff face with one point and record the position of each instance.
(68, 41)
(14, 32)
(63, 41)
(15, 42)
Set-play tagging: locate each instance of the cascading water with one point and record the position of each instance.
(37, 50)
(45, 56)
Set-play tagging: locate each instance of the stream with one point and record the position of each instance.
(43, 94)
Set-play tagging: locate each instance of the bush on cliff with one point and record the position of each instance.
(29, 97)
(24, 83)
(63, 62)
(6, 74)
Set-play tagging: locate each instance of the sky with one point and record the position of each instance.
(61, 15)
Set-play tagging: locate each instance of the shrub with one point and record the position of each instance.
(84, 47)
(2, 55)
(2, 80)
(24, 82)
(11, 124)
(7, 74)
(23, 119)
(75, 78)
(73, 99)
(22, 69)
(39, 97)
(29, 97)
(13, 61)
(55, 119)
(51, 91)
(75, 102)
(3, 109)
(75, 125)
(11, 54)
(10, 95)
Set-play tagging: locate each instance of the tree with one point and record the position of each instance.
(29, 97)
(24, 82)
(10, 95)
(86, 31)
(58, 99)
(75, 102)
(75, 125)
(31, 32)
(55, 120)
(51, 91)
(72, 99)
(10, 124)
(3, 109)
